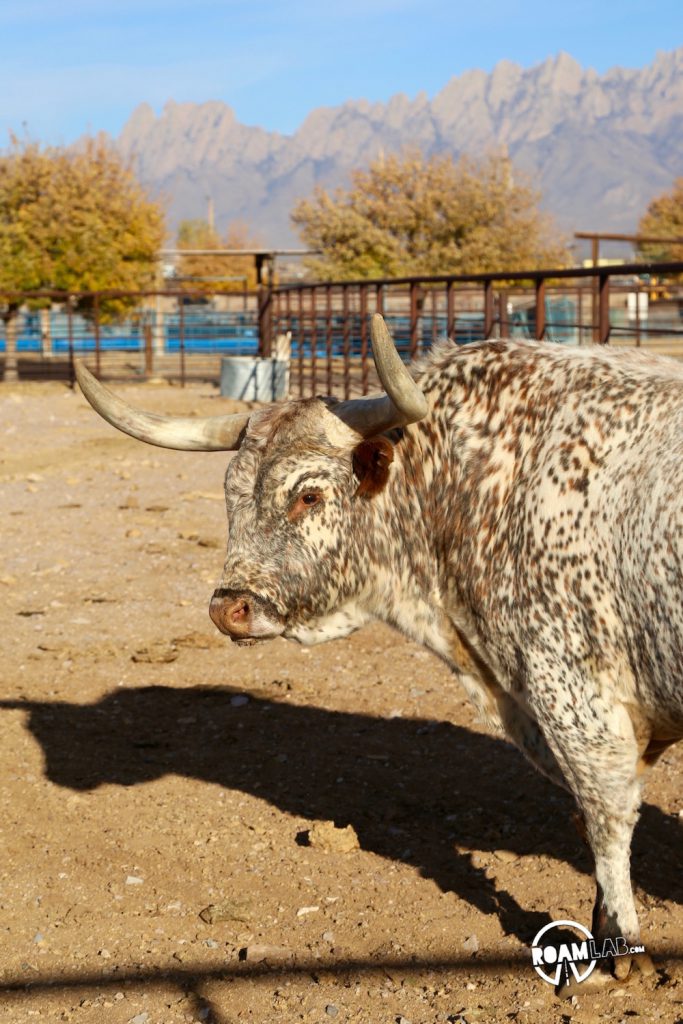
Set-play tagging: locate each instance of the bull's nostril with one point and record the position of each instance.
(240, 612)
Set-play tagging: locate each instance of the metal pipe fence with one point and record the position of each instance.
(183, 335)
(125, 335)
(637, 305)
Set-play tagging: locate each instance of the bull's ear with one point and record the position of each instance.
(371, 461)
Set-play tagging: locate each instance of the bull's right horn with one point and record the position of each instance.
(403, 402)
(184, 433)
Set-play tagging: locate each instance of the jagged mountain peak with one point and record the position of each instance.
(598, 146)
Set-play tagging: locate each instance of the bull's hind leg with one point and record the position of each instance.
(596, 747)
(528, 738)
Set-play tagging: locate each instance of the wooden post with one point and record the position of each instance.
(540, 309)
(265, 325)
(595, 257)
(603, 309)
(488, 309)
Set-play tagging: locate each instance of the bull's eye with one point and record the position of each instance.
(304, 501)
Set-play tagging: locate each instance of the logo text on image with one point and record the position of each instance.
(550, 953)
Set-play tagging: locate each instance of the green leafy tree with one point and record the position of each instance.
(73, 220)
(215, 273)
(664, 219)
(409, 215)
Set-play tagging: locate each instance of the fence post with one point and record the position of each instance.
(414, 339)
(11, 319)
(328, 336)
(265, 324)
(488, 309)
(45, 333)
(364, 338)
(181, 339)
(434, 316)
(346, 346)
(450, 311)
(70, 318)
(603, 309)
(503, 314)
(314, 340)
(637, 314)
(540, 308)
(149, 356)
(301, 341)
(96, 319)
(579, 313)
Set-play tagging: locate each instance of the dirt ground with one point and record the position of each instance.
(163, 789)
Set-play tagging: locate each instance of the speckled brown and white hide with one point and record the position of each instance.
(530, 532)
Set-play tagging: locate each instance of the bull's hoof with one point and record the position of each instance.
(622, 967)
(624, 970)
(643, 963)
(595, 981)
(625, 967)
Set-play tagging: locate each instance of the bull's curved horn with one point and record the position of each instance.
(185, 433)
(403, 403)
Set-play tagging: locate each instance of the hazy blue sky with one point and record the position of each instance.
(68, 66)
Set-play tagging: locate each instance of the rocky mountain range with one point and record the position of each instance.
(599, 147)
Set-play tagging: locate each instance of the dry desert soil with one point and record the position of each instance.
(167, 797)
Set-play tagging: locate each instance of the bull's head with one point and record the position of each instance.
(298, 496)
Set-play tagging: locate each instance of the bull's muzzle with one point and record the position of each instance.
(243, 615)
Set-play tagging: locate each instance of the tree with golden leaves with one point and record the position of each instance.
(74, 220)
(210, 272)
(409, 215)
(664, 219)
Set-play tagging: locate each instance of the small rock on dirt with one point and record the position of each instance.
(331, 1010)
(471, 944)
(303, 911)
(228, 910)
(325, 835)
(258, 952)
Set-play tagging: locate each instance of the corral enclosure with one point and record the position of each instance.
(323, 328)
(153, 770)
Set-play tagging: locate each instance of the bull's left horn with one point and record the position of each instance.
(184, 433)
(403, 402)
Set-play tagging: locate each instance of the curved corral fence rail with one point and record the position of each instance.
(322, 328)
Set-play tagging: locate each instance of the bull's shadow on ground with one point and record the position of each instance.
(419, 791)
